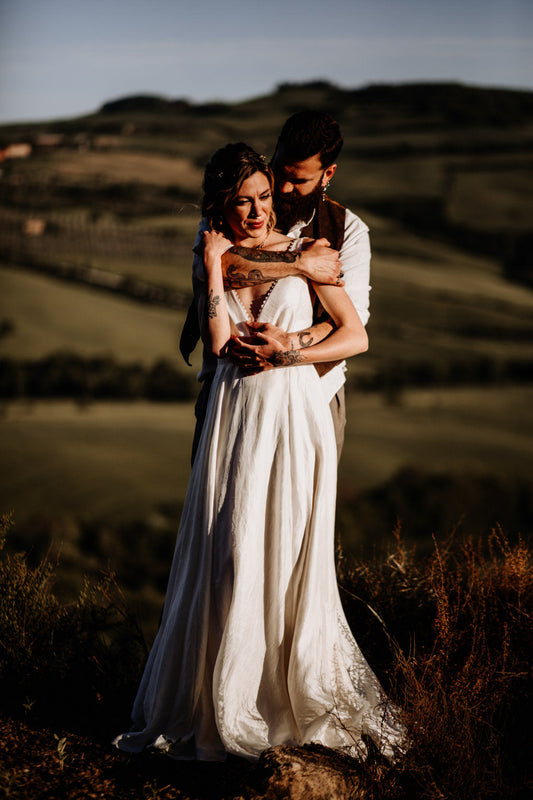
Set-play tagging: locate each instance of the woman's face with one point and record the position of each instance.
(248, 214)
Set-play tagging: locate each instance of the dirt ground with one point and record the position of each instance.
(37, 763)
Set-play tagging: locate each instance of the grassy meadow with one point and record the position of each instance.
(118, 461)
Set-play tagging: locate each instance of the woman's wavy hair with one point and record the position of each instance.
(224, 175)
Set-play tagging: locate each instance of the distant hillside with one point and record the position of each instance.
(437, 103)
(377, 107)
(420, 105)
(442, 159)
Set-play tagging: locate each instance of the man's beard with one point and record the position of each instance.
(290, 208)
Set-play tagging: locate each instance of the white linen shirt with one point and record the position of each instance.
(355, 258)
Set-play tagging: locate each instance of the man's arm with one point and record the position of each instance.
(355, 256)
(242, 266)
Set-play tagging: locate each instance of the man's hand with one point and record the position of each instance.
(252, 353)
(319, 263)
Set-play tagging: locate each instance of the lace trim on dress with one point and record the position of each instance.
(250, 316)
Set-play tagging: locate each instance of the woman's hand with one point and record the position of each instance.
(264, 353)
(272, 331)
(215, 245)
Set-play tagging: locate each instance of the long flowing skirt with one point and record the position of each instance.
(254, 649)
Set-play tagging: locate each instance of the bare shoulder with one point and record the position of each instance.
(277, 241)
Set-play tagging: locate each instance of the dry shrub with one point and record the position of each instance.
(72, 662)
(450, 635)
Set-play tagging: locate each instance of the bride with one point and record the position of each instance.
(254, 649)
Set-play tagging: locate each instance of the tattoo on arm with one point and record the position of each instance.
(211, 305)
(305, 339)
(237, 277)
(265, 256)
(286, 359)
(237, 280)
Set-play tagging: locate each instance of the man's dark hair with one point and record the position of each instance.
(309, 133)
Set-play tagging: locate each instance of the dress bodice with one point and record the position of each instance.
(288, 306)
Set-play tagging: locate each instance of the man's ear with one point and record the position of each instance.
(328, 174)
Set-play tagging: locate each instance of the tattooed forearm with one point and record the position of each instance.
(237, 275)
(286, 359)
(211, 305)
(235, 279)
(305, 338)
(265, 256)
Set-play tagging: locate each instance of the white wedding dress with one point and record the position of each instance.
(253, 648)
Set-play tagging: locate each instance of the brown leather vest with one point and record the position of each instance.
(328, 223)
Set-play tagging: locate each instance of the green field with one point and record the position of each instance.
(107, 461)
(451, 431)
(49, 316)
(118, 461)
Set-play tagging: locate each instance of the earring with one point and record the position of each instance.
(324, 190)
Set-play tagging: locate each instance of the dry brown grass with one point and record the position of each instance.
(117, 167)
(449, 635)
(454, 652)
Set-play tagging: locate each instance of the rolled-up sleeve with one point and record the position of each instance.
(355, 258)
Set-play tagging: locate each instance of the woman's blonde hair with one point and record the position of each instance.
(224, 175)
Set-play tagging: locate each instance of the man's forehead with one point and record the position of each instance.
(307, 168)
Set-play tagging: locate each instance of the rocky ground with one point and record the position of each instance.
(36, 762)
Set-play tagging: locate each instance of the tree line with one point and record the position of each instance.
(73, 376)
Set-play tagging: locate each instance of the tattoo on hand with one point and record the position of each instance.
(305, 338)
(286, 359)
(211, 306)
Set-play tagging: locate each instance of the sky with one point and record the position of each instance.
(63, 58)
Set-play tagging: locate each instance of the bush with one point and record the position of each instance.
(94, 378)
(64, 660)
(453, 648)
(449, 635)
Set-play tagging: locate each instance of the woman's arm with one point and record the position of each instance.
(348, 338)
(216, 311)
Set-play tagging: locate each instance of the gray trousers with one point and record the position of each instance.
(337, 407)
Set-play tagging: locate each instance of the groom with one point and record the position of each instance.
(304, 163)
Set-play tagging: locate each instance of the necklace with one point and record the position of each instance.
(261, 301)
(257, 303)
